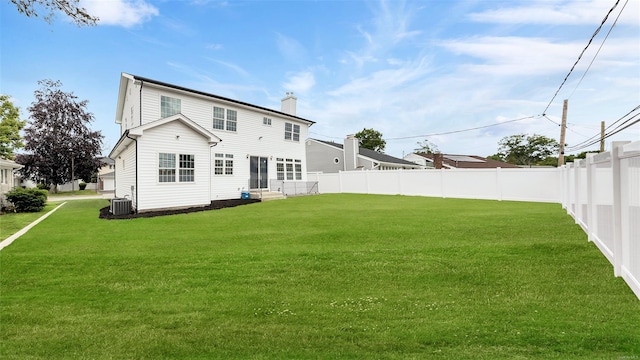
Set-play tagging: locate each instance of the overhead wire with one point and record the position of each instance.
(462, 130)
(580, 56)
(599, 48)
(612, 131)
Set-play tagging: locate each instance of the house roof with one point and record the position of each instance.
(131, 134)
(373, 155)
(468, 161)
(5, 163)
(123, 86)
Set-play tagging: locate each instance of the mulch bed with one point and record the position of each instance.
(217, 204)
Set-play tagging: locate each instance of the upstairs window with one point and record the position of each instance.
(219, 119)
(291, 132)
(169, 106)
(232, 120)
(266, 121)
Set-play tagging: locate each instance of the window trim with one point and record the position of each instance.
(178, 171)
(171, 102)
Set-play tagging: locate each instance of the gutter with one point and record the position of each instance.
(136, 189)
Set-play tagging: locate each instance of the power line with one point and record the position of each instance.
(599, 48)
(612, 131)
(580, 56)
(463, 130)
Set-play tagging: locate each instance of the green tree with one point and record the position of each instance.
(426, 147)
(523, 149)
(10, 126)
(371, 139)
(59, 144)
(71, 8)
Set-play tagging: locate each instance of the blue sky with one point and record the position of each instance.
(404, 68)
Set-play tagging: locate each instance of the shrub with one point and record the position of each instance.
(43, 186)
(82, 185)
(27, 200)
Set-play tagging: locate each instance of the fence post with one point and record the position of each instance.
(499, 183)
(577, 211)
(616, 150)
(591, 224)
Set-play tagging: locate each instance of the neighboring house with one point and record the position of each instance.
(8, 178)
(450, 161)
(181, 147)
(106, 175)
(331, 157)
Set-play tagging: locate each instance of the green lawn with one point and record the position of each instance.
(329, 276)
(11, 223)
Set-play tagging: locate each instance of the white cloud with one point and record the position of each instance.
(214, 46)
(124, 13)
(290, 48)
(237, 69)
(300, 82)
(575, 12)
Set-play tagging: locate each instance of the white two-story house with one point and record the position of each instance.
(182, 148)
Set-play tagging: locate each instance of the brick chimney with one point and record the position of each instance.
(437, 160)
(289, 104)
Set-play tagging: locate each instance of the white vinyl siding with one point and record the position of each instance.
(251, 138)
(177, 139)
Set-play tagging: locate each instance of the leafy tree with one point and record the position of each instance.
(426, 147)
(71, 8)
(59, 144)
(10, 126)
(371, 139)
(523, 149)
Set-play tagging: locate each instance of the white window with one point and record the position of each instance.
(223, 164)
(288, 169)
(298, 169)
(219, 119)
(232, 120)
(187, 168)
(5, 176)
(291, 132)
(169, 106)
(266, 121)
(167, 167)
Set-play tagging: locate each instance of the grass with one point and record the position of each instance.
(11, 223)
(330, 276)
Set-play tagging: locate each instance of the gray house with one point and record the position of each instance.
(331, 157)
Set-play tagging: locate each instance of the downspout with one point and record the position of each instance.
(136, 189)
(140, 99)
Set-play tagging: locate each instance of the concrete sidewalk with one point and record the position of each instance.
(108, 195)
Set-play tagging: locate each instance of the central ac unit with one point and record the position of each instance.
(120, 206)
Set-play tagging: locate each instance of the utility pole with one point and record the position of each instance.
(601, 136)
(563, 129)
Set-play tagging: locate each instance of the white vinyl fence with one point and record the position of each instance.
(526, 184)
(602, 194)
